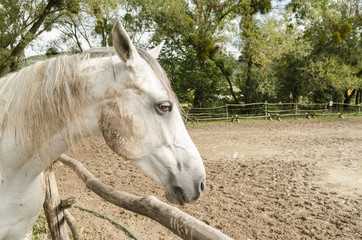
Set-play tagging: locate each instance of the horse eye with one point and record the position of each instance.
(165, 106)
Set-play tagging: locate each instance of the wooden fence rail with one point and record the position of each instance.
(180, 223)
(269, 111)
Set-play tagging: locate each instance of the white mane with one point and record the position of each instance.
(42, 99)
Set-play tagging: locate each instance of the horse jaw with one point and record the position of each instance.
(173, 162)
(170, 166)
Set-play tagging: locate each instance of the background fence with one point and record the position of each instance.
(269, 111)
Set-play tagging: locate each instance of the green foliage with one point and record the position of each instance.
(262, 6)
(323, 76)
(345, 30)
(198, 29)
(195, 83)
(329, 67)
(104, 14)
(204, 47)
(310, 51)
(74, 7)
(336, 38)
(22, 21)
(252, 61)
(40, 228)
(51, 51)
(322, 39)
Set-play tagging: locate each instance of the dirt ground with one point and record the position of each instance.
(295, 179)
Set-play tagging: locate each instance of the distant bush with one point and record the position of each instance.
(51, 51)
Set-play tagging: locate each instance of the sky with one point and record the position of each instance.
(39, 45)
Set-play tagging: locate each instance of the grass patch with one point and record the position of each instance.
(289, 118)
(40, 228)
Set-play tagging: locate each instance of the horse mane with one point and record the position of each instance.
(42, 99)
(47, 97)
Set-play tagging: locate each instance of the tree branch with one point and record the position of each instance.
(77, 235)
(182, 224)
(228, 80)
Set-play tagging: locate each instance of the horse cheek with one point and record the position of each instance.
(119, 131)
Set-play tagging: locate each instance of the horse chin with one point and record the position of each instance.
(177, 196)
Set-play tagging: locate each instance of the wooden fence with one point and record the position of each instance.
(269, 111)
(180, 223)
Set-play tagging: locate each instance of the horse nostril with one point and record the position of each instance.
(202, 185)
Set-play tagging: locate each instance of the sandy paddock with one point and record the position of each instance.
(295, 179)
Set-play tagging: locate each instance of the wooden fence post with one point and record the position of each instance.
(187, 112)
(227, 110)
(296, 110)
(266, 109)
(52, 207)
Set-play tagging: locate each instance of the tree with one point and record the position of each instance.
(21, 22)
(75, 28)
(251, 45)
(331, 28)
(201, 25)
(310, 52)
(94, 22)
(192, 82)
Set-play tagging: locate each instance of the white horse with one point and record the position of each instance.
(121, 93)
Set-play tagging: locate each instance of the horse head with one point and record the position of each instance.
(141, 121)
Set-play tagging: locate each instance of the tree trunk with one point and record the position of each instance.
(247, 25)
(228, 80)
(75, 33)
(358, 96)
(248, 88)
(348, 98)
(104, 32)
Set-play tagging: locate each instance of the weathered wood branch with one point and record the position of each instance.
(182, 224)
(77, 235)
(53, 209)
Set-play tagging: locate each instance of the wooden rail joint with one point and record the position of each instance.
(235, 118)
(269, 117)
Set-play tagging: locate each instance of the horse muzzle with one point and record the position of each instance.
(185, 193)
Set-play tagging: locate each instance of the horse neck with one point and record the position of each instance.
(20, 152)
(99, 76)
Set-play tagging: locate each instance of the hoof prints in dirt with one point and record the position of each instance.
(275, 199)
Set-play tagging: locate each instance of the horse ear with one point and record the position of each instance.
(123, 45)
(156, 51)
